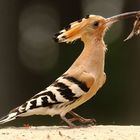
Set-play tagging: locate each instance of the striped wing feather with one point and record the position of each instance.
(64, 89)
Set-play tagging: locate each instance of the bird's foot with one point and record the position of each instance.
(83, 120)
(77, 117)
(71, 125)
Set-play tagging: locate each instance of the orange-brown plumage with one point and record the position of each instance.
(82, 80)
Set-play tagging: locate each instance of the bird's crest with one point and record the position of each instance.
(72, 31)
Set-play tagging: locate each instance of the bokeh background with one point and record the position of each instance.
(30, 60)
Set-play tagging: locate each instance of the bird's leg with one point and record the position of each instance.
(77, 117)
(71, 125)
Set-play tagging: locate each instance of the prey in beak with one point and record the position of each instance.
(136, 26)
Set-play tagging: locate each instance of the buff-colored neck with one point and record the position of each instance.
(92, 57)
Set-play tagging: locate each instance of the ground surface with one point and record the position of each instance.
(64, 133)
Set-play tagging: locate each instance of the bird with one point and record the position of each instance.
(82, 80)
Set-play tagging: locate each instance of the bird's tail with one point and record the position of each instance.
(13, 114)
(9, 117)
(71, 32)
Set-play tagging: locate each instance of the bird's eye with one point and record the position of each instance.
(95, 24)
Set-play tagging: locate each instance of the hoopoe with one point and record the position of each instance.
(82, 80)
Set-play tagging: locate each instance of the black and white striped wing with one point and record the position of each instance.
(64, 90)
(52, 100)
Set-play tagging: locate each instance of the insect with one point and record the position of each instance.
(82, 80)
(136, 28)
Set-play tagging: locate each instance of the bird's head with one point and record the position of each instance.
(90, 27)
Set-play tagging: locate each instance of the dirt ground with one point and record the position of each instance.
(64, 133)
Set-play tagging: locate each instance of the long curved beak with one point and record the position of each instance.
(113, 19)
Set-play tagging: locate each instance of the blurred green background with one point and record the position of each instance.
(31, 61)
